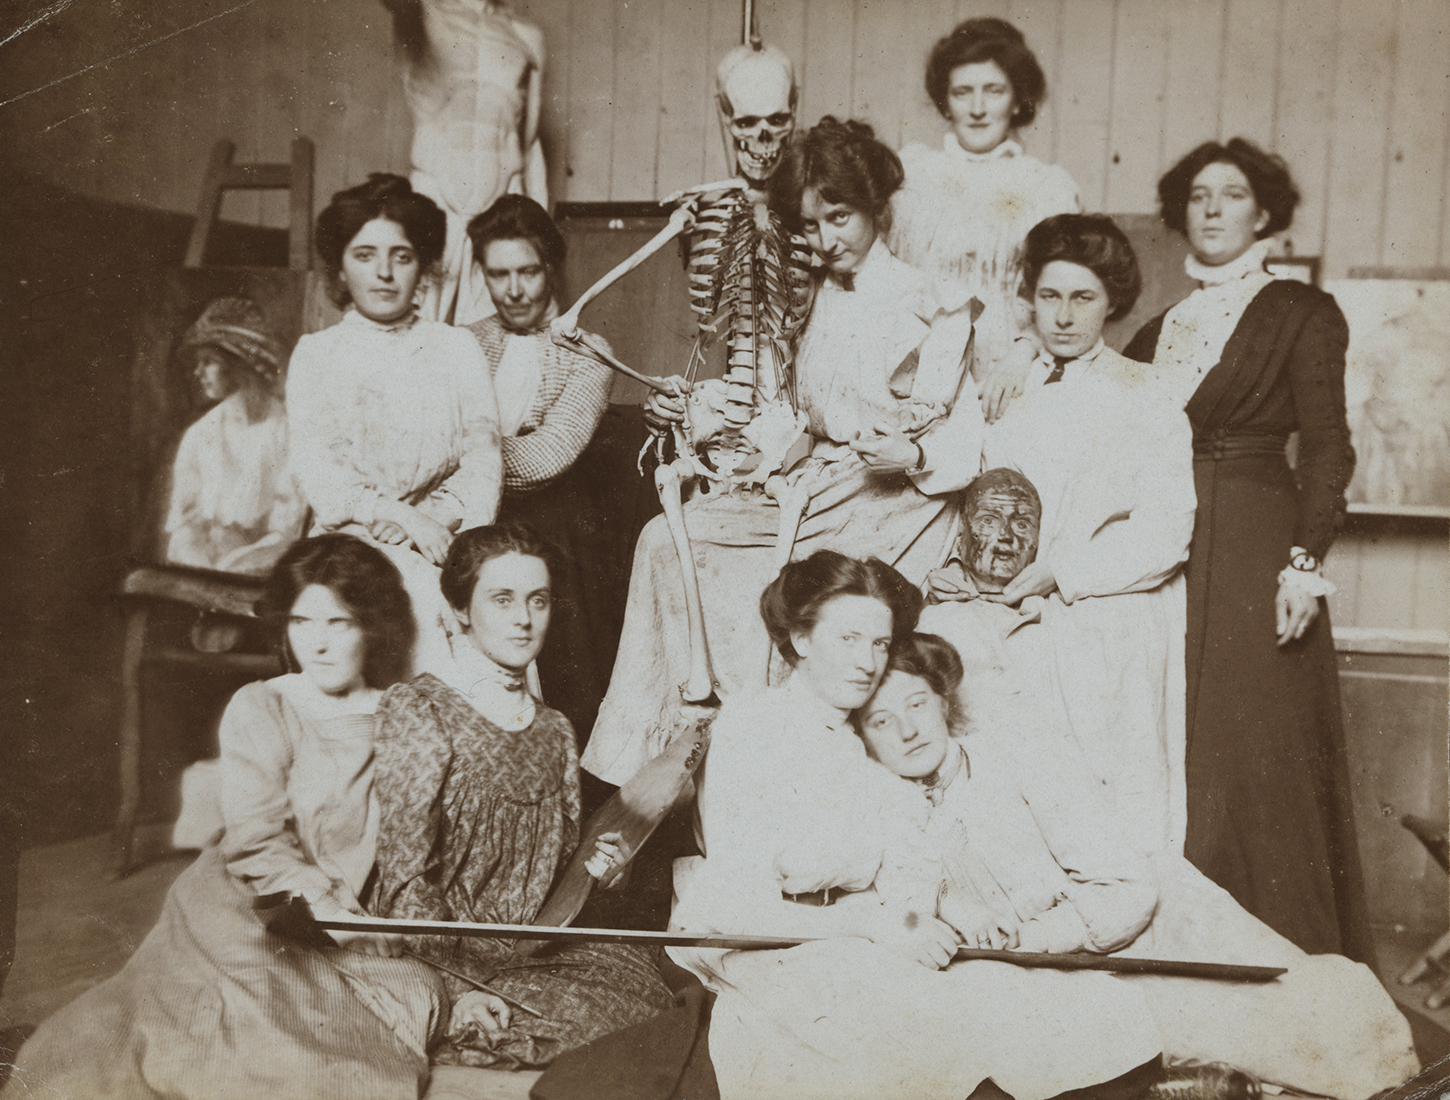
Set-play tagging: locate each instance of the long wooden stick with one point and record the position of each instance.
(1119, 964)
(478, 985)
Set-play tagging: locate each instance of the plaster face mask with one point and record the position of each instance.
(1000, 537)
(757, 97)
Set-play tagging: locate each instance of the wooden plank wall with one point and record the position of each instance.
(1354, 93)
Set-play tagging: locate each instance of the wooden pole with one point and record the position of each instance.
(1118, 964)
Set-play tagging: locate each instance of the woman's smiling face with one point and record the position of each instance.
(905, 726)
(843, 656)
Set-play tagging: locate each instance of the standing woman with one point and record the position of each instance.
(393, 423)
(1254, 358)
(965, 209)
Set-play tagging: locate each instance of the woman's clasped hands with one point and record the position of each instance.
(396, 522)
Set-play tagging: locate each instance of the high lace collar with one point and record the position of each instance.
(934, 786)
(353, 319)
(1007, 149)
(1250, 263)
(476, 669)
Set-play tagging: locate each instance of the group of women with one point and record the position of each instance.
(409, 766)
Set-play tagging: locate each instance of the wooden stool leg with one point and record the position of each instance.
(129, 766)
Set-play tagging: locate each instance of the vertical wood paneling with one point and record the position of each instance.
(972, 9)
(1040, 22)
(1431, 585)
(1250, 51)
(1306, 104)
(1139, 70)
(921, 25)
(1363, 70)
(830, 36)
(591, 91)
(1191, 88)
(686, 90)
(1082, 105)
(1415, 172)
(553, 18)
(635, 151)
(880, 70)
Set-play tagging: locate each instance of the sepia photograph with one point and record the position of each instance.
(725, 549)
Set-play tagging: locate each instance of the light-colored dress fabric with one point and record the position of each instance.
(1113, 463)
(234, 506)
(1036, 842)
(789, 801)
(962, 218)
(853, 343)
(470, 111)
(211, 1005)
(397, 412)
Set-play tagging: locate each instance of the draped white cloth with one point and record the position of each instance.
(1113, 463)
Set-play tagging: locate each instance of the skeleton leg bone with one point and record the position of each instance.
(699, 687)
(792, 499)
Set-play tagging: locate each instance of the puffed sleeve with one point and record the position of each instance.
(1110, 896)
(259, 845)
(545, 453)
(1326, 456)
(478, 482)
(1147, 447)
(317, 437)
(414, 755)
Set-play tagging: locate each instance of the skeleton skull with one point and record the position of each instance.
(757, 94)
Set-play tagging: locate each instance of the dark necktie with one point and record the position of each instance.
(1058, 362)
(847, 281)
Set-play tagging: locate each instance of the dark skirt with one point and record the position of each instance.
(1269, 812)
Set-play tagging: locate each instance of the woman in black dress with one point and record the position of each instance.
(1255, 359)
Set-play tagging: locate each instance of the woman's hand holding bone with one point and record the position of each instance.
(490, 1014)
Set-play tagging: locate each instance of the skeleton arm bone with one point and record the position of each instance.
(589, 344)
(681, 221)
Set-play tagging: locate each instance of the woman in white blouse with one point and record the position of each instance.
(393, 422)
(795, 821)
(965, 209)
(1021, 853)
(1112, 462)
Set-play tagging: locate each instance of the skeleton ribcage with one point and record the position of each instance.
(750, 281)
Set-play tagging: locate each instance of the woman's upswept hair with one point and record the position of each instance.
(518, 217)
(845, 163)
(935, 660)
(472, 548)
(1092, 241)
(988, 39)
(1267, 174)
(365, 582)
(793, 601)
(384, 195)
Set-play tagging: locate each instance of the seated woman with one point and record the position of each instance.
(211, 1004)
(872, 488)
(1023, 855)
(478, 784)
(1112, 462)
(234, 506)
(551, 404)
(393, 422)
(795, 821)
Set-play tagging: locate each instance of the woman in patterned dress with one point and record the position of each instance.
(479, 792)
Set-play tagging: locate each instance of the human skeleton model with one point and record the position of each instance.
(750, 285)
(473, 83)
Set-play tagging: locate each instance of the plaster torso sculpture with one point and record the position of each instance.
(1111, 461)
(473, 84)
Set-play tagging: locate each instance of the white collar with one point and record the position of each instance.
(1251, 262)
(366, 324)
(1008, 148)
(833, 718)
(873, 272)
(1086, 357)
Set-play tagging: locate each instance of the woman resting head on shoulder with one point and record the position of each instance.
(392, 421)
(478, 785)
